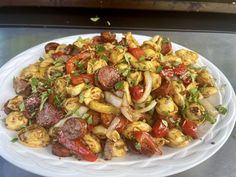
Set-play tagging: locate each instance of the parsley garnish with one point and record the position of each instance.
(34, 84)
(127, 58)
(108, 23)
(119, 85)
(89, 120)
(142, 58)
(94, 19)
(209, 118)
(14, 140)
(99, 48)
(41, 59)
(105, 58)
(138, 146)
(159, 68)
(81, 98)
(194, 95)
(22, 107)
(58, 101)
(59, 62)
(44, 98)
(222, 110)
(162, 59)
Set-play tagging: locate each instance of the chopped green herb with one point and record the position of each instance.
(89, 120)
(193, 91)
(165, 40)
(108, 23)
(14, 140)
(105, 58)
(58, 101)
(22, 107)
(94, 19)
(59, 62)
(99, 48)
(85, 116)
(138, 146)
(194, 95)
(76, 113)
(162, 59)
(23, 126)
(34, 84)
(57, 74)
(222, 110)
(142, 58)
(67, 80)
(75, 73)
(119, 85)
(44, 98)
(79, 39)
(41, 59)
(126, 72)
(209, 118)
(159, 68)
(81, 98)
(30, 122)
(127, 58)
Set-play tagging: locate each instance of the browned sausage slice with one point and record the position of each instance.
(108, 36)
(74, 128)
(51, 46)
(21, 87)
(107, 77)
(48, 116)
(96, 116)
(6, 109)
(32, 104)
(60, 151)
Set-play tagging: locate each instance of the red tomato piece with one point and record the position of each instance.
(136, 52)
(58, 55)
(136, 92)
(180, 69)
(87, 78)
(187, 80)
(77, 148)
(148, 146)
(167, 72)
(190, 128)
(159, 129)
(122, 124)
(70, 64)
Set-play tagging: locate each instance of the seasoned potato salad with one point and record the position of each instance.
(104, 97)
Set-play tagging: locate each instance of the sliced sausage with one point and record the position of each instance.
(74, 128)
(108, 36)
(97, 40)
(51, 46)
(60, 56)
(96, 116)
(21, 87)
(32, 104)
(163, 90)
(60, 150)
(6, 109)
(107, 77)
(49, 116)
(106, 119)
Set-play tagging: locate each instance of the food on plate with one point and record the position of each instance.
(104, 97)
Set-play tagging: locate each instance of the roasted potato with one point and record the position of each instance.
(95, 64)
(117, 55)
(134, 78)
(15, 103)
(16, 121)
(208, 91)
(136, 126)
(119, 149)
(177, 139)
(156, 81)
(34, 136)
(100, 131)
(188, 57)
(166, 106)
(75, 90)
(131, 41)
(93, 93)
(194, 111)
(71, 104)
(93, 143)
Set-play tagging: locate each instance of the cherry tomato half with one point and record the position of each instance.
(190, 128)
(167, 72)
(166, 48)
(70, 64)
(180, 69)
(87, 78)
(159, 129)
(122, 124)
(148, 146)
(136, 52)
(136, 92)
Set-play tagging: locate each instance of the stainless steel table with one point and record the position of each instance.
(219, 48)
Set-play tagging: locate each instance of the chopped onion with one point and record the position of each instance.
(148, 87)
(130, 114)
(112, 126)
(148, 108)
(112, 99)
(119, 93)
(209, 107)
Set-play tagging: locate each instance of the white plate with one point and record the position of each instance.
(42, 162)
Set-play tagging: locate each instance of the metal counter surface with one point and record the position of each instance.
(219, 48)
